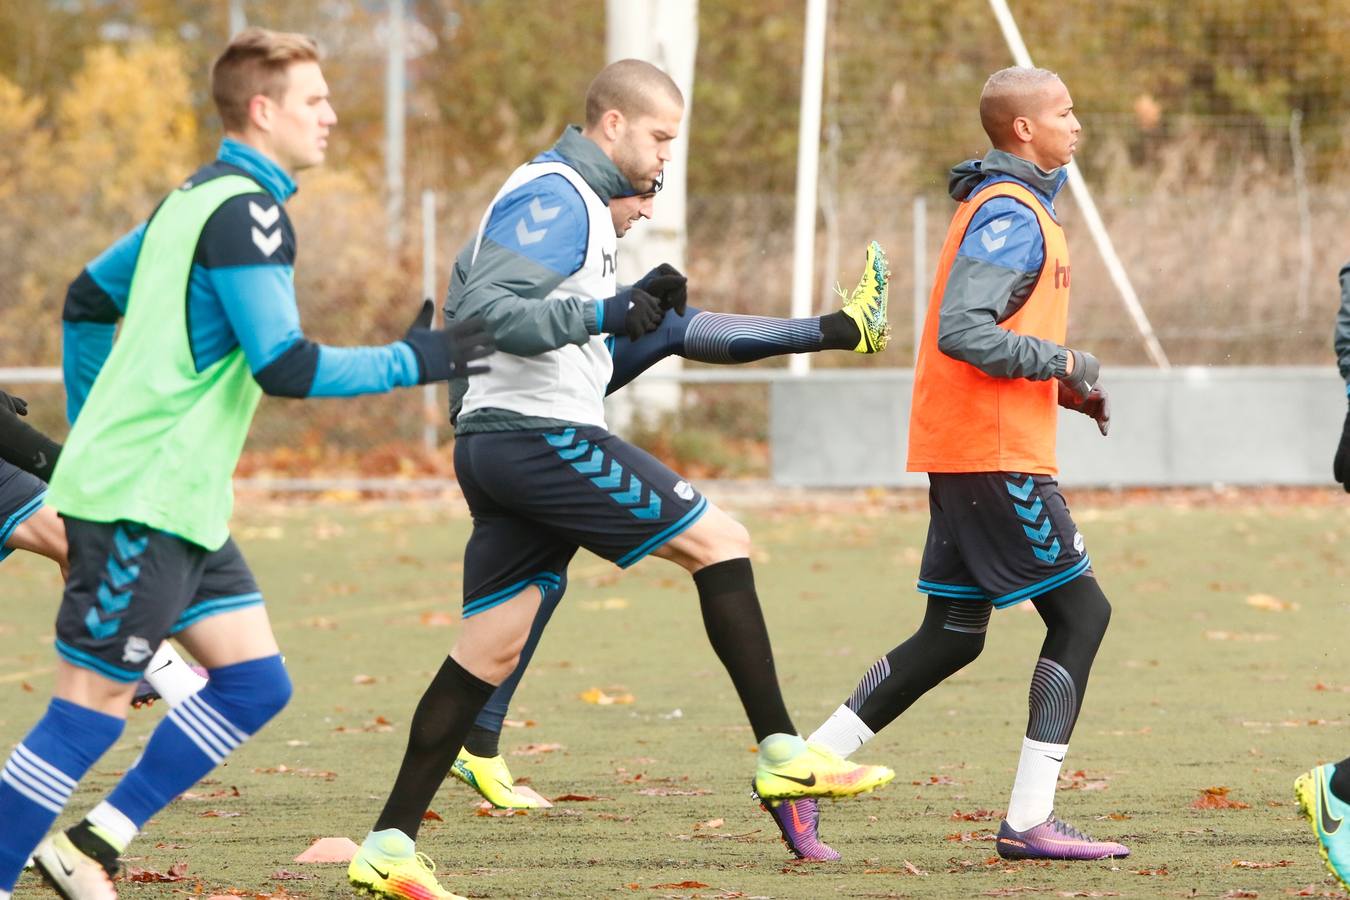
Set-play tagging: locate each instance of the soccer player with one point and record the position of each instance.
(1323, 794)
(27, 458)
(861, 326)
(543, 477)
(209, 322)
(992, 366)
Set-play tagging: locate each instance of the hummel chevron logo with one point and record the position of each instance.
(539, 214)
(1020, 491)
(1048, 555)
(264, 217)
(987, 238)
(1029, 513)
(267, 243)
(1039, 535)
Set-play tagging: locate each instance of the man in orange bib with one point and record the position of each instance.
(992, 368)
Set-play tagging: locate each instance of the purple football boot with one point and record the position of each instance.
(797, 821)
(1054, 839)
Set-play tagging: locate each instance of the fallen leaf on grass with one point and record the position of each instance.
(363, 679)
(517, 723)
(1217, 798)
(1114, 817)
(288, 875)
(1080, 781)
(284, 769)
(432, 816)
(965, 837)
(1010, 891)
(219, 814)
(1089, 893)
(613, 817)
(1245, 864)
(609, 603)
(579, 798)
(936, 779)
(213, 795)
(711, 823)
(536, 749)
(487, 809)
(1271, 604)
(679, 885)
(1312, 890)
(177, 872)
(673, 792)
(328, 850)
(979, 815)
(1240, 636)
(1162, 870)
(1237, 894)
(600, 698)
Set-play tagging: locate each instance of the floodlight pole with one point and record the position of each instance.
(808, 171)
(1013, 35)
(430, 415)
(238, 21)
(395, 123)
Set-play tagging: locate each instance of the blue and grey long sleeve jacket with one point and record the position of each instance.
(1342, 339)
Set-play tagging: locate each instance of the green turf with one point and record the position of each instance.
(1195, 688)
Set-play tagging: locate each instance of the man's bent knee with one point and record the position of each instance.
(714, 538)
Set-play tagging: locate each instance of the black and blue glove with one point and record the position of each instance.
(446, 353)
(1340, 465)
(23, 445)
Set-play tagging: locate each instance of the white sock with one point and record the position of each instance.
(4, 895)
(170, 676)
(115, 826)
(1033, 793)
(843, 732)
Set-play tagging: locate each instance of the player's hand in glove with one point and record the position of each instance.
(633, 312)
(1340, 466)
(668, 285)
(1082, 372)
(446, 353)
(1096, 405)
(23, 445)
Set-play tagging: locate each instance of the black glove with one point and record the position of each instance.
(1086, 371)
(445, 353)
(1340, 466)
(1096, 405)
(633, 312)
(668, 286)
(23, 445)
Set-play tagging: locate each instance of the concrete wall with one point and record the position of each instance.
(1189, 426)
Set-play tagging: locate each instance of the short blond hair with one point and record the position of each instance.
(630, 86)
(255, 62)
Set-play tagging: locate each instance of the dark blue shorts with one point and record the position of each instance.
(537, 496)
(131, 586)
(999, 536)
(20, 496)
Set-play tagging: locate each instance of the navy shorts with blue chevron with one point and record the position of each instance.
(999, 536)
(131, 586)
(536, 496)
(20, 496)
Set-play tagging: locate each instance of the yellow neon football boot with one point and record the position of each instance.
(491, 779)
(866, 306)
(785, 774)
(386, 865)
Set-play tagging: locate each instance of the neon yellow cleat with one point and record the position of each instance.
(1326, 814)
(866, 306)
(399, 877)
(490, 778)
(816, 772)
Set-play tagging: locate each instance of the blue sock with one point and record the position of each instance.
(42, 773)
(198, 734)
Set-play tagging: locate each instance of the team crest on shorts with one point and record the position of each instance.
(684, 490)
(1078, 544)
(136, 650)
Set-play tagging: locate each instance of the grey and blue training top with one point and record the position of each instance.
(1342, 339)
(240, 294)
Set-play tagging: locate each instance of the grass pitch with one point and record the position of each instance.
(1223, 669)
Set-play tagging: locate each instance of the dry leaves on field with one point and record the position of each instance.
(536, 749)
(363, 679)
(231, 791)
(487, 809)
(1244, 864)
(1217, 798)
(1161, 870)
(432, 816)
(1271, 604)
(965, 837)
(711, 823)
(1079, 780)
(219, 814)
(1088, 894)
(1114, 817)
(600, 698)
(284, 769)
(936, 779)
(674, 792)
(438, 619)
(579, 798)
(288, 875)
(1238, 894)
(1313, 890)
(979, 815)
(177, 872)
(679, 886)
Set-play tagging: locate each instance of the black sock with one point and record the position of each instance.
(1340, 781)
(838, 332)
(482, 742)
(950, 637)
(443, 717)
(735, 625)
(93, 846)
